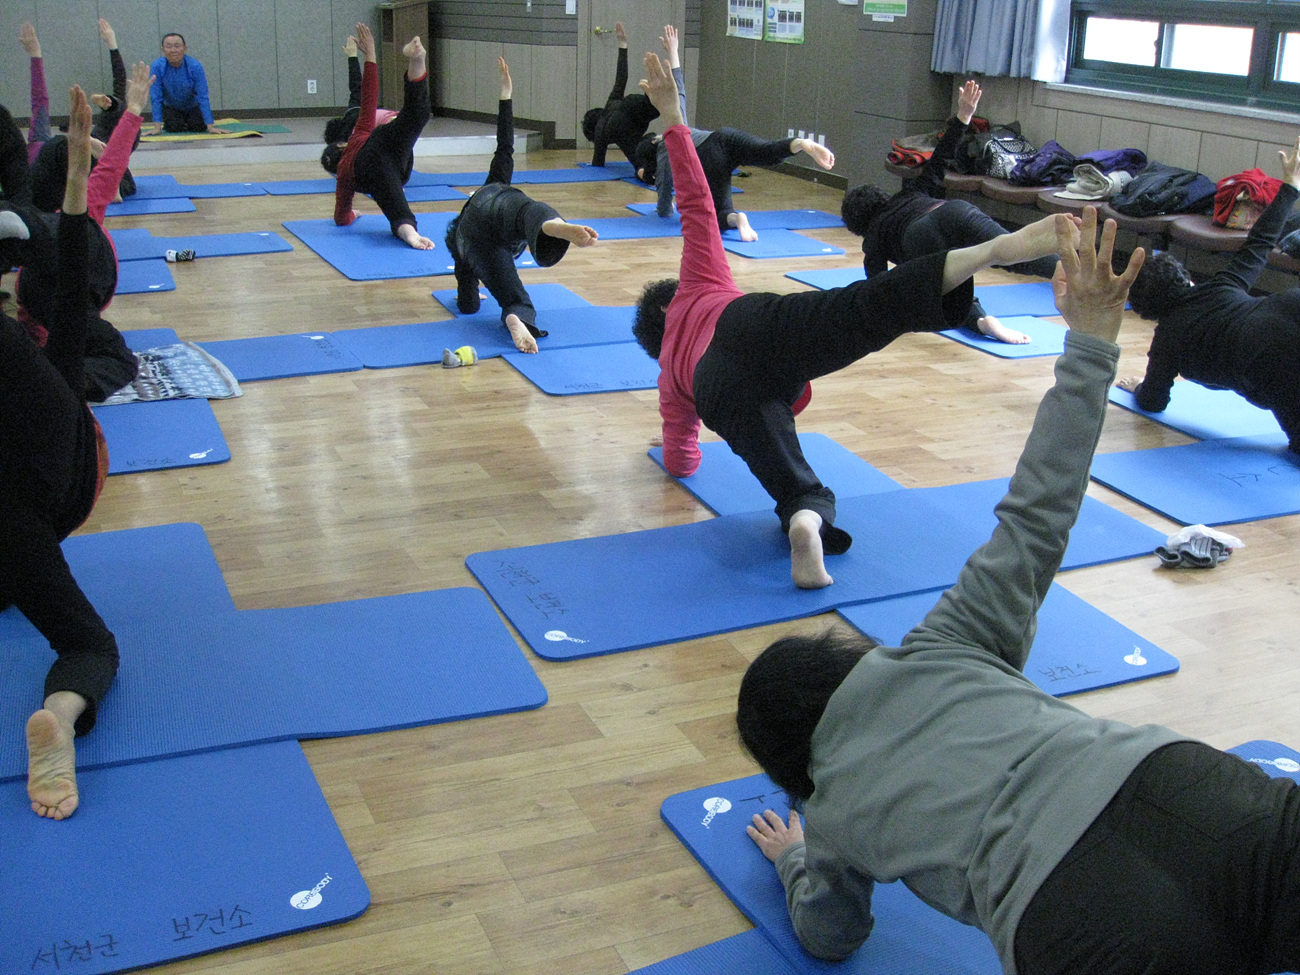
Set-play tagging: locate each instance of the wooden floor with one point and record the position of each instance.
(532, 842)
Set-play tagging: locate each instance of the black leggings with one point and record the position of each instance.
(384, 163)
(767, 347)
(190, 120)
(723, 151)
(1192, 869)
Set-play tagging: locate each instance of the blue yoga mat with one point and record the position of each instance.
(278, 356)
(138, 207)
(1277, 760)
(572, 174)
(726, 486)
(909, 937)
(1005, 300)
(140, 339)
(167, 570)
(827, 278)
(588, 369)
(1212, 482)
(137, 244)
(299, 187)
(749, 953)
(1206, 414)
(163, 187)
(1047, 338)
(390, 346)
(190, 684)
(545, 297)
(368, 251)
(445, 179)
(171, 859)
(633, 228)
(160, 435)
(434, 194)
(140, 277)
(1077, 647)
(778, 243)
(761, 219)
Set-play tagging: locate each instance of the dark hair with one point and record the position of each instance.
(589, 122)
(329, 158)
(645, 158)
(173, 34)
(648, 323)
(1162, 284)
(339, 128)
(784, 694)
(861, 206)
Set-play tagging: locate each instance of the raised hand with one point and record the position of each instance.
(350, 46)
(27, 38)
(106, 34)
(620, 33)
(1089, 295)
(669, 41)
(659, 86)
(968, 100)
(137, 88)
(507, 88)
(1291, 165)
(366, 43)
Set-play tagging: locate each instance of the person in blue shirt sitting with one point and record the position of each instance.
(180, 91)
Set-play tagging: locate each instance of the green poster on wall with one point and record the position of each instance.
(784, 21)
(885, 8)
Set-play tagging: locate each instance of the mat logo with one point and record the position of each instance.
(559, 636)
(1135, 658)
(305, 900)
(1281, 764)
(712, 807)
(199, 455)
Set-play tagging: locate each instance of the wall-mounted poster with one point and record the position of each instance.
(745, 19)
(785, 21)
(885, 9)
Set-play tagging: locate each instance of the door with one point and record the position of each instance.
(598, 47)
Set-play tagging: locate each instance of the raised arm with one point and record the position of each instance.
(995, 602)
(109, 37)
(107, 174)
(620, 66)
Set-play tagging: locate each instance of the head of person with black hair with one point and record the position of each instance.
(329, 158)
(861, 207)
(651, 313)
(1162, 284)
(784, 694)
(174, 49)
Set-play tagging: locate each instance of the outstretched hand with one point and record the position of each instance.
(137, 88)
(661, 88)
(771, 834)
(106, 34)
(27, 38)
(1291, 166)
(74, 190)
(968, 100)
(620, 33)
(350, 46)
(669, 41)
(1089, 294)
(507, 87)
(365, 42)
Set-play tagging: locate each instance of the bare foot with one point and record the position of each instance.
(742, 225)
(994, 329)
(807, 564)
(523, 338)
(822, 156)
(413, 48)
(51, 766)
(574, 233)
(1129, 383)
(1037, 239)
(415, 60)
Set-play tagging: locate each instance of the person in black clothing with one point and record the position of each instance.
(1216, 332)
(917, 220)
(495, 225)
(52, 466)
(339, 128)
(624, 118)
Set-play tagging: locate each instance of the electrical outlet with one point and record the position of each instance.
(789, 133)
(311, 86)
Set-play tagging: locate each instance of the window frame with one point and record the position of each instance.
(1270, 19)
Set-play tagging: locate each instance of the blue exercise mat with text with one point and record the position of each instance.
(138, 244)
(777, 243)
(1211, 482)
(166, 187)
(1046, 338)
(170, 859)
(725, 485)
(421, 343)
(1277, 760)
(545, 296)
(1204, 413)
(160, 435)
(278, 356)
(165, 570)
(633, 228)
(368, 251)
(141, 277)
(909, 937)
(1031, 298)
(759, 219)
(588, 369)
(140, 207)
(749, 953)
(1077, 646)
(191, 684)
(830, 277)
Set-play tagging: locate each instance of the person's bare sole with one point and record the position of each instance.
(519, 333)
(51, 767)
(413, 47)
(807, 562)
(994, 329)
(822, 156)
(743, 228)
(574, 233)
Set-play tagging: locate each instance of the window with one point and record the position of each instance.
(1244, 52)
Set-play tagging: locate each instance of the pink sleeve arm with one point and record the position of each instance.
(681, 436)
(107, 174)
(703, 259)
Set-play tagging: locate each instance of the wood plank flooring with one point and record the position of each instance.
(531, 843)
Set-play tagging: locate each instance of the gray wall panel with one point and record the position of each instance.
(247, 58)
(344, 17)
(304, 49)
(70, 45)
(15, 87)
(139, 36)
(198, 21)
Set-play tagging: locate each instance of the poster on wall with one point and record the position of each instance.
(885, 9)
(785, 21)
(745, 19)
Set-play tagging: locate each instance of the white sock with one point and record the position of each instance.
(13, 227)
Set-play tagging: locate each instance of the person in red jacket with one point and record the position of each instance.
(380, 153)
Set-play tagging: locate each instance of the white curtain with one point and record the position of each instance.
(1011, 38)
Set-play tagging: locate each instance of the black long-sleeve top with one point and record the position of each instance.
(625, 119)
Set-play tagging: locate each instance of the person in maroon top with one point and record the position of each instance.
(379, 154)
(741, 363)
(52, 466)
